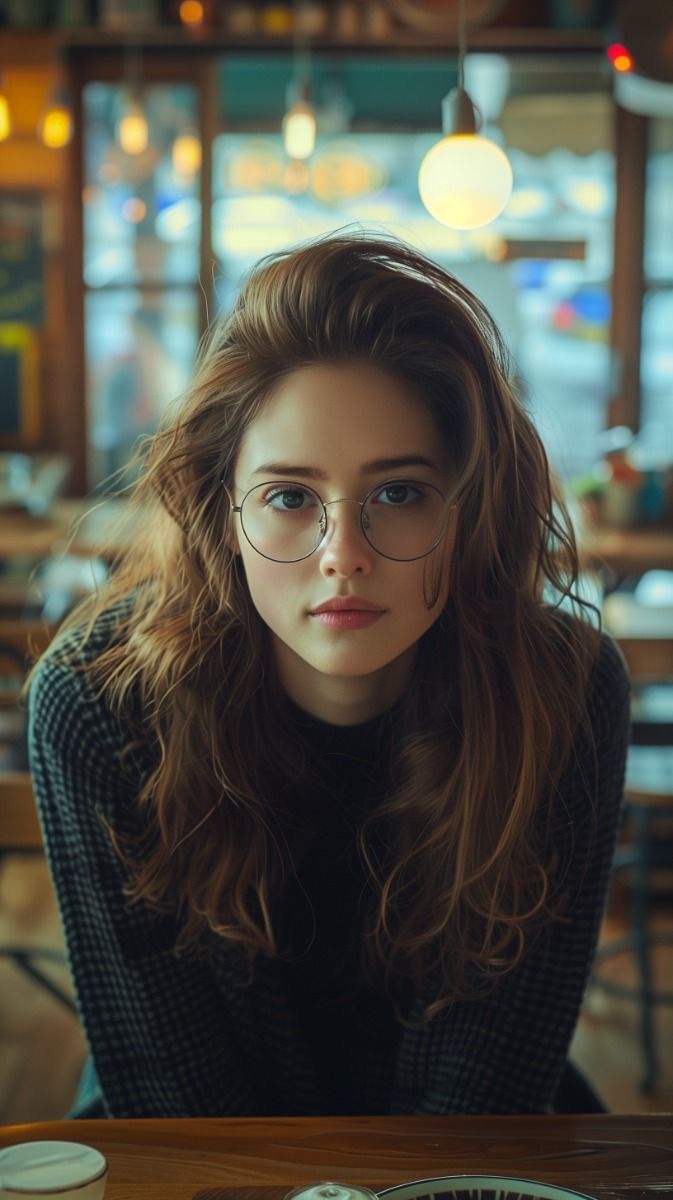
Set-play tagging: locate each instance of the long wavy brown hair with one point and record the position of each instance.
(460, 858)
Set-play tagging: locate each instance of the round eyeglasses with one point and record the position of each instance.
(402, 519)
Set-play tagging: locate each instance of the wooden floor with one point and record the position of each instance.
(42, 1048)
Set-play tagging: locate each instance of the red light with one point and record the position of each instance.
(615, 50)
(619, 57)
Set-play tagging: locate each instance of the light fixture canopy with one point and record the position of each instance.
(459, 114)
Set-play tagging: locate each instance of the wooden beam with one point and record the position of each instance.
(631, 138)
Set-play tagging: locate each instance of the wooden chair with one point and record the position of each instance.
(21, 640)
(21, 834)
(27, 636)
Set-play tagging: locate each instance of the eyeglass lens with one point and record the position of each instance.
(402, 519)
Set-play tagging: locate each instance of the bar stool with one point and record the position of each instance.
(649, 802)
(642, 624)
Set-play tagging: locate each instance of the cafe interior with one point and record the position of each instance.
(151, 152)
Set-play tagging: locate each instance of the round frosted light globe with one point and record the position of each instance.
(465, 181)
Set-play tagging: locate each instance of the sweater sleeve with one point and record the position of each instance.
(506, 1053)
(158, 1031)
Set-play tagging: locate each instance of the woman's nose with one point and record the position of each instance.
(344, 542)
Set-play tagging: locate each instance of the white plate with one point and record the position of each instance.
(480, 1187)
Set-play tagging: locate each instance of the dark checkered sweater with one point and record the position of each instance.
(176, 1037)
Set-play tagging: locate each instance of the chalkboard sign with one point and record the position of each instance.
(21, 258)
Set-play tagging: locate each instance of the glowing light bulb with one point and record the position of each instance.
(465, 181)
(299, 130)
(56, 126)
(5, 119)
(132, 131)
(186, 154)
(191, 12)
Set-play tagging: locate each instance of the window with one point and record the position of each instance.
(141, 256)
(544, 268)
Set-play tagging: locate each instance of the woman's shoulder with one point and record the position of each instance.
(608, 690)
(81, 643)
(591, 785)
(610, 674)
(63, 699)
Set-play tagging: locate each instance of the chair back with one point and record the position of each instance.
(22, 641)
(19, 822)
(644, 634)
(27, 636)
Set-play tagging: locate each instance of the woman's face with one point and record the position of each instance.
(333, 420)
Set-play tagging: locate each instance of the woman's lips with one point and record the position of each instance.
(347, 618)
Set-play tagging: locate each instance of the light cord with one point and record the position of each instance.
(461, 44)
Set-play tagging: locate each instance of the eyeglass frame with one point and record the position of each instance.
(340, 500)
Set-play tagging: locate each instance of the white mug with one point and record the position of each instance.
(64, 1170)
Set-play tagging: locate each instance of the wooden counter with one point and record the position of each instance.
(610, 1157)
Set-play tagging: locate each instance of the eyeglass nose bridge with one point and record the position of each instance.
(364, 519)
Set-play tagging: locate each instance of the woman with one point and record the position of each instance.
(312, 863)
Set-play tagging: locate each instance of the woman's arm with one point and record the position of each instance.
(158, 1028)
(507, 1054)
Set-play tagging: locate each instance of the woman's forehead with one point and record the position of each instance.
(330, 413)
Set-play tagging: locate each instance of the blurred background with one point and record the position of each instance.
(150, 153)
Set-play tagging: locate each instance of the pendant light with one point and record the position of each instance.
(186, 153)
(464, 180)
(56, 124)
(132, 127)
(299, 123)
(132, 131)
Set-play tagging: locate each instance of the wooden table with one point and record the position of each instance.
(611, 1157)
(627, 551)
(36, 538)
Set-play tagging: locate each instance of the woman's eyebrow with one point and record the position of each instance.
(369, 468)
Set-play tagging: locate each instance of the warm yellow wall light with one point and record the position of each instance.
(5, 118)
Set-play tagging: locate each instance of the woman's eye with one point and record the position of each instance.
(397, 493)
(292, 499)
